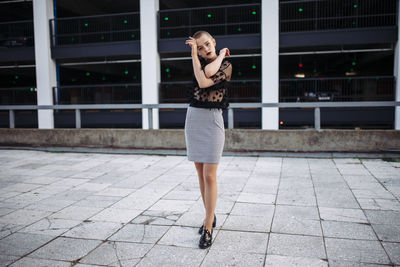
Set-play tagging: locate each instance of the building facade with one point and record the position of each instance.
(59, 52)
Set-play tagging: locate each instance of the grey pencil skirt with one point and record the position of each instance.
(204, 134)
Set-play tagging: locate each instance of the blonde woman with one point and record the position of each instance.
(204, 124)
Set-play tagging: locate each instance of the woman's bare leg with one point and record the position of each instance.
(199, 168)
(211, 193)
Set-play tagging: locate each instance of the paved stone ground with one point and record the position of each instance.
(87, 209)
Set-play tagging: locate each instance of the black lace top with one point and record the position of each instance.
(216, 95)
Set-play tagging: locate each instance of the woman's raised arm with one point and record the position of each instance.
(212, 68)
(197, 69)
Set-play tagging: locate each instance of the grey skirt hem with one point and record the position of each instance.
(204, 134)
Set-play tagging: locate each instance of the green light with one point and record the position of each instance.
(86, 24)
(103, 78)
(133, 35)
(126, 86)
(354, 23)
(355, 6)
(239, 73)
(169, 75)
(32, 89)
(209, 15)
(16, 77)
(239, 29)
(87, 73)
(253, 67)
(73, 80)
(126, 72)
(353, 63)
(300, 10)
(315, 70)
(377, 78)
(72, 39)
(168, 33)
(125, 21)
(253, 12)
(166, 18)
(167, 70)
(244, 82)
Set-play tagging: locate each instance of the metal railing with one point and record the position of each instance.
(313, 15)
(150, 107)
(18, 96)
(95, 29)
(376, 88)
(16, 34)
(127, 93)
(220, 20)
(239, 91)
(360, 88)
(300, 15)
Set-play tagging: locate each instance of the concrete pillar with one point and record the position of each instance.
(270, 63)
(396, 73)
(45, 66)
(150, 58)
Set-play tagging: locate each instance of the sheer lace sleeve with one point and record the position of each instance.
(224, 72)
(221, 77)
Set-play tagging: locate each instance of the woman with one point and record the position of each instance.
(204, 125)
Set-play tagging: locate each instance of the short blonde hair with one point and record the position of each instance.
(198, 34)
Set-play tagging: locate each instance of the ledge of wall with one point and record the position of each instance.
(236, 140)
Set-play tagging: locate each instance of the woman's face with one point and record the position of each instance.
(206, 47)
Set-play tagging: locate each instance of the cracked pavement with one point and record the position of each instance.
(93, 209)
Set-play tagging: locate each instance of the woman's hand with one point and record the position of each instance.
(192, 42)
(225, 52)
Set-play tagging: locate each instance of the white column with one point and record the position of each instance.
(270, 63)
(396, 74)
(46, 76)
(150, 58)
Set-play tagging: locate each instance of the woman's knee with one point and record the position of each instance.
(210, 177)
(210, 172)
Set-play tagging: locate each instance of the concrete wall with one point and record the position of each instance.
(237, 140)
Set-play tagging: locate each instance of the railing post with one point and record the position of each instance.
(226, 21)
(150, 114)
(317, 119)
(190, 22)
(316, 16)
(12, 118)
(110, 28)
(77, 118)
(230, 118)
(80, 31)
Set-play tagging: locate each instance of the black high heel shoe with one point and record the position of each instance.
(213, 225)
(205, 239)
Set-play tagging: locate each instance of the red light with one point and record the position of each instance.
(281, 122)
(300, 65)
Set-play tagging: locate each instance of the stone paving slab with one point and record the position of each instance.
(99, 209)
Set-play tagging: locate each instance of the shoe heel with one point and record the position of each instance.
(215, 221)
